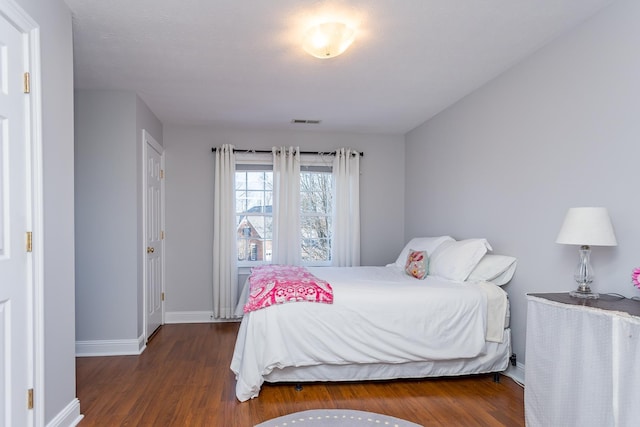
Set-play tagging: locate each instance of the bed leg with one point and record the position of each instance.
(496, 377)
(298, 387)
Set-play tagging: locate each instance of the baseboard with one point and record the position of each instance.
(68, 417)
(516, 373)
(193, 317)
(110, 347)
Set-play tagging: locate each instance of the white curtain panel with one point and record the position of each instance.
(225, 276)
(286, 205)
(345, 245)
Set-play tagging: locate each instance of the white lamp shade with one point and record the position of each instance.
(328, 40)
(587, 226)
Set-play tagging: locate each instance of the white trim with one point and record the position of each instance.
(173, 317)
(516, 373)
(131, 347)
(148, 140)
(33, 134)
(37, 227)
(68, 417)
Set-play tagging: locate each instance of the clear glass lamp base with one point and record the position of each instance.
(584, 276)
(584, 295)
(584, 292)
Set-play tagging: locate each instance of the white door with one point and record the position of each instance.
(153, 233)
(15, 278)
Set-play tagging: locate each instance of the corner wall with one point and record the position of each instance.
(559, 130)
(109, 257)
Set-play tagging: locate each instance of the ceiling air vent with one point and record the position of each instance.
(305, 122)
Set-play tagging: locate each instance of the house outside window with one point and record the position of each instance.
(254, 220)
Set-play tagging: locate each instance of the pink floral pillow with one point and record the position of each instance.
(417, 264)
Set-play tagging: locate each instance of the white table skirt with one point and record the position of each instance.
(581, 366)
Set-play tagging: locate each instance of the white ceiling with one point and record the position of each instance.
(238, 63)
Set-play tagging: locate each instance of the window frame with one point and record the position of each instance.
(246, 162)
(252, 167)
(306, 168)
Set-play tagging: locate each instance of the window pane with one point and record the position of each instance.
(255, 201)
(257, 180)
(254, 238)
(254, 194)
(262, 226)
(315, 215)
(315, 192)
(316, 250)
(315, 227)
(241, 202)
(316, 238)
(241, 180)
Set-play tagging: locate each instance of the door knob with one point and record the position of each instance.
(150, 250)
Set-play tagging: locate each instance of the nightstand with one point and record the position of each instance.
(582, 357)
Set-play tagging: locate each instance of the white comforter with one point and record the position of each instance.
(379, 315)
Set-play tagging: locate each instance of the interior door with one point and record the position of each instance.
(153, 234)
(15, 261)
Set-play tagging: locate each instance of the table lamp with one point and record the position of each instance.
(586, 227)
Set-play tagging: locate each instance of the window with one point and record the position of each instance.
(254, 220)
(254, 215)
(315, 216)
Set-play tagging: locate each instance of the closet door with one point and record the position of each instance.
(154, 234)
(16, 283)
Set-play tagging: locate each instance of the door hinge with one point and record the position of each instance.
(162, 296)
(30, 398)
(27, 83)
(162, 235)
(29, 239)
(161, 173)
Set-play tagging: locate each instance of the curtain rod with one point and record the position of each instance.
(328, 153)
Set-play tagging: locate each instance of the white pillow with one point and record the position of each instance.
(429, 244)
(497, 269)
(456, 260)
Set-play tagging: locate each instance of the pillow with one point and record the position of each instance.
(456, 260)
(428, 244)
(417, 264)
(497, 269)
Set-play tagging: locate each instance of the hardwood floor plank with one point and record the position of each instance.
(183, 379)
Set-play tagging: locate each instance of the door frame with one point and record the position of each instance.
(148, 140)
(15, 14)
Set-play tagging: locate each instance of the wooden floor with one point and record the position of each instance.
(183, 379)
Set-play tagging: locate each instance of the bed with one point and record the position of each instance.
(384, 323)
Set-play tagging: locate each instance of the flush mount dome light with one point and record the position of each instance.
(328, 40)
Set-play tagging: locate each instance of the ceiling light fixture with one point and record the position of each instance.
(328, 40)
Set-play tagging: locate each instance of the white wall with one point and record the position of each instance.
(54, 21)
(108, 159)
(106, 198)
(189, 200)
(559, 130)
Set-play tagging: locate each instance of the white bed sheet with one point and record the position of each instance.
(494, 358)
(432, 319)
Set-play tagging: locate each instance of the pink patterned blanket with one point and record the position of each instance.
(277, 284)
